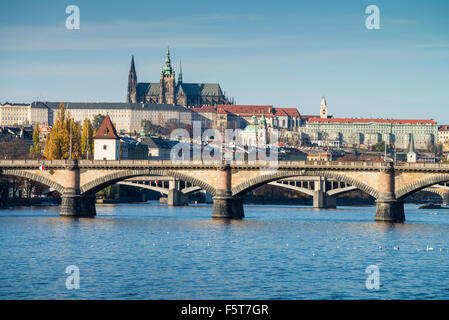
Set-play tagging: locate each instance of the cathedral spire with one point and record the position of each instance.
(167, 69)
(132, 82)
(180, 73)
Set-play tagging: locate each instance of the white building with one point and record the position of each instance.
(106, 142)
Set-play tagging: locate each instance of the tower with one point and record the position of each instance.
(411, 155)
(132, 83)
(180, 73)
(167, 82)
(323, 108)
(106, 141)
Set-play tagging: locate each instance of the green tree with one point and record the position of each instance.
(98, 119)
(35, 149)
(380, 146)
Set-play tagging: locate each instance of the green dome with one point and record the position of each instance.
(250, 128)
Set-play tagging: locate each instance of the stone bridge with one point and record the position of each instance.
(78, 181)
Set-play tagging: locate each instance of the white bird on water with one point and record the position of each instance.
(396, 247)
(429, 248)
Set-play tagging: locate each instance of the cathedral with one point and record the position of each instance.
(168, 91)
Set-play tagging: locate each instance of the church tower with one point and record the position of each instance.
(167, 83)
(411, 155)
(132, 83)
(323, 108)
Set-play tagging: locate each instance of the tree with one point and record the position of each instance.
(98, 119)
(380, 146)
(35, 149)
(57, 144)
(87, 143)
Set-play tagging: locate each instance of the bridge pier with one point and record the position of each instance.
(72, 203)
(445, 199)
(175, 196)
(388, 208)
(321, 200)
(224, 204)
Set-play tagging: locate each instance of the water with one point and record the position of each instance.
(150, 251)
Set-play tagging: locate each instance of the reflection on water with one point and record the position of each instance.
(150, 251)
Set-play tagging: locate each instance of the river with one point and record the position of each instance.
(151, 251)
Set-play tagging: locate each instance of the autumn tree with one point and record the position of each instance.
(64, 135)
(87, 142)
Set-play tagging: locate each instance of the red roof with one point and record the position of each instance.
(204, 109)
(106, 130)
(292, 112)
(444, 128)
(245, 109)
(365, 120)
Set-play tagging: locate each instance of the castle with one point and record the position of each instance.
(168, 91)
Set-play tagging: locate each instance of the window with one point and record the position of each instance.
(105, 147)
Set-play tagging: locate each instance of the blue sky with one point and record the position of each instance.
(281, 53)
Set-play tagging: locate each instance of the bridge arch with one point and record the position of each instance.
(256, 182)
(416, 186)
(35, 177)
(112, 178)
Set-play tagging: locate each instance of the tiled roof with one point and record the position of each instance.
(292, 112)
(365, 120)
(444, 128)
(246, 109)
(204, 109)
(106, 130)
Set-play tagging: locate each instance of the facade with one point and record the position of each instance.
(106, 142)
(353, 132)
(14, 114)
(169, 91)
(443, 134)
(126, 116)
(256, 133)
(240, 116)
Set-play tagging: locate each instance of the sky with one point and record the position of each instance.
(280, 53)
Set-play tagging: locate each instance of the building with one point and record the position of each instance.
(106, 141)
(361, 132)
(158, 148)
(240, 116)
(256, 133)
(126, 116)
(169, 91)
(443, 137)
(14, 114)
(365, 133)
(319, 155)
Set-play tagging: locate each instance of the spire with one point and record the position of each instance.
(323, 108)
(167, 69)
(411, 148)
(132, 82)
(180, 73)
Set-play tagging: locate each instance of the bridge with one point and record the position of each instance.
(78, 181)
